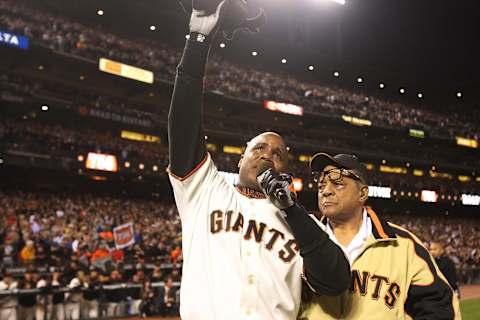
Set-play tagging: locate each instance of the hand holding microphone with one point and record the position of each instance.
(276, 186)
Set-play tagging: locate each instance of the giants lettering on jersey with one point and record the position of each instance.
(254, 231)
(364, 283)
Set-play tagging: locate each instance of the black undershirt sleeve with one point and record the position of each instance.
(185, 124)
(326, 267)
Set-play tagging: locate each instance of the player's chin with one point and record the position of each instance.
(329, 211)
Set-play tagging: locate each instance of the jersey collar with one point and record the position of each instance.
(250, 193)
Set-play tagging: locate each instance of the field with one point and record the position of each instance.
(470, 309)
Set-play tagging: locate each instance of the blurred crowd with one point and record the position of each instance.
(66, 241)
(34, 136)
(460, 238)
(220, 125)
(66, 143)
(227, 78)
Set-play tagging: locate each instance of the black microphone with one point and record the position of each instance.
(280, 193)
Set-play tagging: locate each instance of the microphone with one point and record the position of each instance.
(279, 193)
(262, 170)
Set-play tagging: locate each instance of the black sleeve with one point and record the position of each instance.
(451, 274)
(185, 126)
(326, 267)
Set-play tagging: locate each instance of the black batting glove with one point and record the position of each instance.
(276, 186)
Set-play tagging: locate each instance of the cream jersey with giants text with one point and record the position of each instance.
(240, 258)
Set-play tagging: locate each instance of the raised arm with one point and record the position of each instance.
(185, 124)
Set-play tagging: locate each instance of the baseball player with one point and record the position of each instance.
(245, 246)
(393, 274)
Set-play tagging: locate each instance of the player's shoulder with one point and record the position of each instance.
(404, 233)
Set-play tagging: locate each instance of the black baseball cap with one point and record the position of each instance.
(347, 161)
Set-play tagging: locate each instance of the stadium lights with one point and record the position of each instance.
(284, 60)
(222, 45)
(342, 2)
(254, 53)
(402, 90)
(336, 74)
(152, 28)
(381, 86)
(100, 12)
(311, 68)
(45, 107)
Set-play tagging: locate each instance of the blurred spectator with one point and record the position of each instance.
(28, 252)
(115, 298)
(90, 296)
(167, 297)
(8, 304)
(445, 264)
(74, 298)
(27, 301)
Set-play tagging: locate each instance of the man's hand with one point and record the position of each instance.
(209, 16)
(277, 188)
(203, 20)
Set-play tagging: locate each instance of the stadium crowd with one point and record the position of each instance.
(460, 237)
(20, 87)
(69, 238)
(227, 78)
(66, 143)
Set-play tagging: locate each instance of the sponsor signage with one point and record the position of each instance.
(283, 107)
(14, 40)
(379, 192)
(125, 70)
(103, 162)
(428, 196)
(470, 200)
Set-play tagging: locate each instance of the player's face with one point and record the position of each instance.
(340, 198)
(264, 147)
(436, 249)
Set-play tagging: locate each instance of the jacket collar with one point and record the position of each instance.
(380, 228)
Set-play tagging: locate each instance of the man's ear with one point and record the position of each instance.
(363, 193)
(240, 161)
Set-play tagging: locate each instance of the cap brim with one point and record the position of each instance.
(321, 160)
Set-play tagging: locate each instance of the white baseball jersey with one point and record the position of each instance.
(240, 257)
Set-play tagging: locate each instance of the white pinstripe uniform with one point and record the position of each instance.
(240, 257)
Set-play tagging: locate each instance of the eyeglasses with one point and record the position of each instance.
(334, 175)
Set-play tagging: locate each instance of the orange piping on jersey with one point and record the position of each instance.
(250, 193)
(191, 172)
(377, 223)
